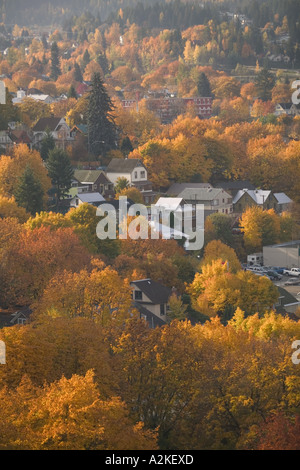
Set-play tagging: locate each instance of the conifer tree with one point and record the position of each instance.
(72, 92)
(203, 86)
(86, 59)
(264, 84)
(29, 193)
(61, 173)
(77, 73)
(102, 130)
(55, 62)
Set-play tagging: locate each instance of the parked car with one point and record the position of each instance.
(257, 269)
(278, 269)
(292, 272)
(294, 281)
(273, 275)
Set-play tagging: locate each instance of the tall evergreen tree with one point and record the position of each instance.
(102, 130)
(77, 73)
(72, 92)
(29, 193)
(86, 59)
(55, 62)
(264, 84)
(61, 173)
(103, 62)
(203, 86)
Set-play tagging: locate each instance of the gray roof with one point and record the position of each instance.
(156, 292)
(120, 165)
(177, 188)
(89, 176)
(259, 196)
(90, 197)
(291, 244)
(282, 198)
(202, 194)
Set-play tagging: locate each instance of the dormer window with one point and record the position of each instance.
(138, 295)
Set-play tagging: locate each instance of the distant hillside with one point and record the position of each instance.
(47, 12)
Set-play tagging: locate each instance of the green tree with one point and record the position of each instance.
(55, 62)
(47, 145)
(102, 130)
(121, 184)
(86, 59)
(264, 83)
(72, 92)
(77, 73)
(29, 193)
(126, 146)
(203, 86)
(61, 173)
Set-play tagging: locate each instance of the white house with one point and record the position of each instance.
(152, 297)
(130, 168)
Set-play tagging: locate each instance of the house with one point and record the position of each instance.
(58, 128)
(90, 198)
(287, 304)
(151, 296)
(130, 168)
(213, 199)
(173, 218)
(5, 141)
(249, 198)
(284, 203)
(20, 317)
(283, 108)
(95, 181)
(47, 99)
(20, 136)
(176, 188)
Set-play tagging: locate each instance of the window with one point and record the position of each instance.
(138, 295)
(162, 309)
(135, 175)
(143, 174)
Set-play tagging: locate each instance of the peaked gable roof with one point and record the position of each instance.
(177, 188)
(50, 123)
(127, 165)
(259, 196)
(169, 203)
(90, 176)
(202, 194)
(156, 292)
